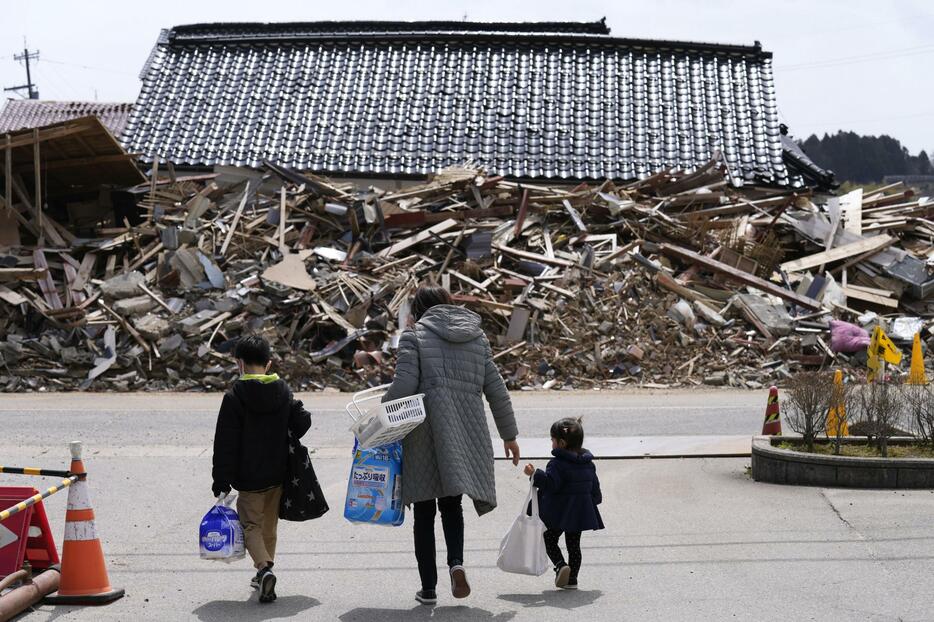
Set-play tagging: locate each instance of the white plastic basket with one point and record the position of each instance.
(376, 424)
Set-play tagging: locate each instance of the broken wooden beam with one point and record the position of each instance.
(739, 275)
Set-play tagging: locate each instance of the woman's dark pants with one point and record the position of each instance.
(452, 522)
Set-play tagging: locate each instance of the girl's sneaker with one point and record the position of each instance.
(426, 597)
(571, 584)
(562, 576)
(459, 586)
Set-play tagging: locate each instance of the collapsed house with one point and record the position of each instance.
(620, 212)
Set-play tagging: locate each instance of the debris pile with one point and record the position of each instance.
(679, 279)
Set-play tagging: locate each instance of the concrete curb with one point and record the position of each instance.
(782, 466)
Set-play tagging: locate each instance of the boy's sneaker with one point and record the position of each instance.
(460, 588)
(562, 576)
(426, 597)
(267, 586)
(254, 582)
(571, 584)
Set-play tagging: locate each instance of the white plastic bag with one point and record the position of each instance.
(221, 535)
(523, 549)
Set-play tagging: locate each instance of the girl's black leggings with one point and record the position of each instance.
(573, 541)
(452, 522)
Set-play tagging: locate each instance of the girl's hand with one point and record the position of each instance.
(529, 470)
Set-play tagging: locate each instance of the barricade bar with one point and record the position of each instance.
(31, 501)
(34, 471)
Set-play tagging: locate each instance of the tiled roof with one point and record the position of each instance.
(540, 100)
(21, 114)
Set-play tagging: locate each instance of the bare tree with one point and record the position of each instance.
(919, 406)
(880, 405)
(807, 402)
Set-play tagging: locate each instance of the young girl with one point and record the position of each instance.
(568, 493)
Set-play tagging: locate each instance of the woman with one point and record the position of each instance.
(446, 356)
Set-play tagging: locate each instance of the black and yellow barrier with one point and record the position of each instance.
(22, 505)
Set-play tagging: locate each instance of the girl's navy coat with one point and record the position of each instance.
(569, 492)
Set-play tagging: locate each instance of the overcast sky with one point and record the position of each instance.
(839, 64)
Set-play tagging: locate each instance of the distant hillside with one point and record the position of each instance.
(865, 159)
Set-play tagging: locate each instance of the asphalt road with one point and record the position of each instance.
(685, 539)
(185, 421)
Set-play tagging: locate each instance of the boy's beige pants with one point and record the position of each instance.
(259, 517)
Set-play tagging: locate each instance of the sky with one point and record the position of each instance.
(859, 65)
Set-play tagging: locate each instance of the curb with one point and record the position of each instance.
(783, 466)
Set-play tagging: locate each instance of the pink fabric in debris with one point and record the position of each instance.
(846, 337)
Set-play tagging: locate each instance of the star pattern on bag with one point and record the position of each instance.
(295, 482)
(291, 449)
(311, 497)
(288, 504)
(307, 462)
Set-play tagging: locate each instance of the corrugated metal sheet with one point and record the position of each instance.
(539, 102)
(21, 114)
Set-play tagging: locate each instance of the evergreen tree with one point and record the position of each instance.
(865, 159)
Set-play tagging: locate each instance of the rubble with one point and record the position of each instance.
(680, 279)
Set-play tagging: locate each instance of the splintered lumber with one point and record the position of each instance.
(861, 294)
(852, 206)
(859, 247)
(418, 238)
(555, 261)
(739, 275)
(22, 274)
(236, 220)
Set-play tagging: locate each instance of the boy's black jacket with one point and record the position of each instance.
(251, 441)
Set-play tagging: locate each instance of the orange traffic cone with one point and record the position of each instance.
(84, 575)
(773, 421)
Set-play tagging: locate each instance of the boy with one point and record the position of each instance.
(251, 444)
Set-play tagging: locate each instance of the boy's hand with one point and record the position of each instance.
(219, 489)
(529, 470)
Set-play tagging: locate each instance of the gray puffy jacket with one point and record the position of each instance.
(447, 357)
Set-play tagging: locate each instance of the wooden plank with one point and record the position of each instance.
(554, 261)
(742, 277)
(418, 219)
(418, 238)
(10, 297)
(575, 216)
(46, 284)
(38, 178)
(852, 206)
(523, 210)
(24, 139)
(8, 175)
(283, 215)
(836, 254)
(22, 274)
(859, 294)
(236, 219)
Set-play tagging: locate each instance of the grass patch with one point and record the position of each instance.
(863, 451)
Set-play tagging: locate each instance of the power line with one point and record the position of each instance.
(92, 68)
(860, 58)
(852, 121)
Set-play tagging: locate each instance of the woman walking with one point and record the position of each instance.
(446, 356)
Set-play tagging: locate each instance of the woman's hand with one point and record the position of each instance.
(512, 447)
(529, 470)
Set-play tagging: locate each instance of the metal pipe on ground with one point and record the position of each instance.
(9, 580)
(16, 601)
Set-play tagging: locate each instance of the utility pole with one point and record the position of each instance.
(31, 88)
